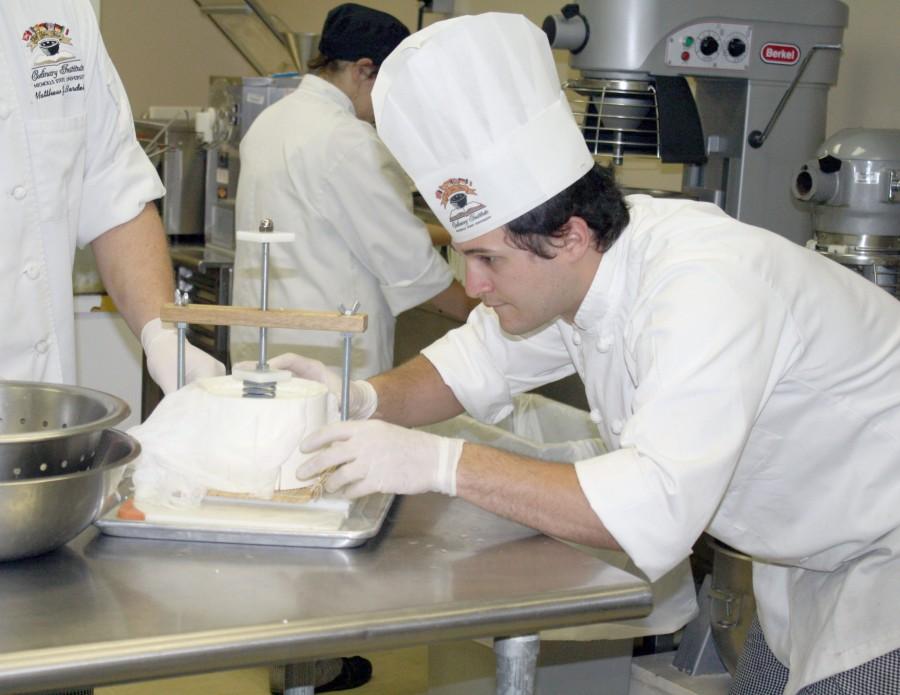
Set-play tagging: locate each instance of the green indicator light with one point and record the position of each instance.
(688, 41)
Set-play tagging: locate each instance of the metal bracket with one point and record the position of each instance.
(756, 138)
(345, 374)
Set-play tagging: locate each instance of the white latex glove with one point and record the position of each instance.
(160, 344)
(374, 456)
(363, 399)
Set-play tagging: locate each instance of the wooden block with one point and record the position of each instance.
(217, 315)
(300, 495)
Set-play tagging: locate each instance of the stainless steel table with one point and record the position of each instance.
(106, 610)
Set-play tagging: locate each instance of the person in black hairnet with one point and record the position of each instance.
(313, 163)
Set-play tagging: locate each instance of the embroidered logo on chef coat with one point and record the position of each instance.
(55, 69)
(465, 211)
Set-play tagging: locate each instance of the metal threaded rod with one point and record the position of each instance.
(265, 226)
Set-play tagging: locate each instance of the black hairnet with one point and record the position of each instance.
(352, 32)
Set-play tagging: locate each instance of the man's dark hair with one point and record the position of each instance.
(594, 197)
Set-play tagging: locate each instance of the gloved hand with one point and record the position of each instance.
(363, 399)
(374, 456)
(161, 347)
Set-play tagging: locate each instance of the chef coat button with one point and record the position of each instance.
(616, 426)
(576, 339)
(605, 343)
(42, 346)
(596, 417)
(19, 192)
(4, 111)
(33, 271)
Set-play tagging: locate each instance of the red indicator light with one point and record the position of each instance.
(685, 56)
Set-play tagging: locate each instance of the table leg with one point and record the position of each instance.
(517, 664)
(300, 679)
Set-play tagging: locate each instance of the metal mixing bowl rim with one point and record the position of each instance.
(128, 458)
(117, 409)
(726, 549)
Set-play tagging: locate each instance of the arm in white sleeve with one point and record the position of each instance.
(705, 348)
(485, 367)
(119, 179)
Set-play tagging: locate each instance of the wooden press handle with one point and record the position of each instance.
(217, 315)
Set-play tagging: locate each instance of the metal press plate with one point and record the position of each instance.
(363, 522)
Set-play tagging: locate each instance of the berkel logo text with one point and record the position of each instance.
(780, 53)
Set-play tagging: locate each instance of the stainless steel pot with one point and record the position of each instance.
(731, 602)
(58, 461)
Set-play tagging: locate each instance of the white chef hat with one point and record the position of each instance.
(472, 109)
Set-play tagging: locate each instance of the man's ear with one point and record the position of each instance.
(577, 238)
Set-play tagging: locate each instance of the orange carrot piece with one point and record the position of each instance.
(129, 512)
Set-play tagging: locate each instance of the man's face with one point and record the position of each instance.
(525, 290)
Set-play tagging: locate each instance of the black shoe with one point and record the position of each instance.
(355, 671)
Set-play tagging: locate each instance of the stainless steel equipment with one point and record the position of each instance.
(174, 148)
(264, 39)
(110, 610)
(57, 459)
(732, 604)
(760, 73)
(852, 188)
(364, 521)
(205, 275)
(236, 101)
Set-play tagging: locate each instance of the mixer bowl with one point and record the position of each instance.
(58, 461)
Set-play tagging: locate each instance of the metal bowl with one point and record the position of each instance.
(57, 460)
(41, 510)
(32, 411)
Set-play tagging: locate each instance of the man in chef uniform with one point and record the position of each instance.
(747, 386)
(313, 163)
(73, 173)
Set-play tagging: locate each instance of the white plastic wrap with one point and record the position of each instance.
(206, 436)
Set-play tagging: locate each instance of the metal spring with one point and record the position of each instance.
(254, 389)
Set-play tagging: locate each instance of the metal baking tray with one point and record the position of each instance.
(363, 521)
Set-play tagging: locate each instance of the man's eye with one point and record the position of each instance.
(487, 260)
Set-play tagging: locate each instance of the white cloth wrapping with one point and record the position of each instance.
(206, 436)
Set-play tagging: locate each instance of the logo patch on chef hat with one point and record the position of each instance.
(49, 38)
(459, 196)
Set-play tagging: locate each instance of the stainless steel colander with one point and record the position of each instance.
(58, 461)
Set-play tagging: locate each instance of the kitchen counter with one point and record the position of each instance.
(106, 610)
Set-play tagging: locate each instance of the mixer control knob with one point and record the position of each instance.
(736, 47)
(709, 46)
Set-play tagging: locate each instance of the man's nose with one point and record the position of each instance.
(476, 284)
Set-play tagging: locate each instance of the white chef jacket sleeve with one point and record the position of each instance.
(119, 179)
(705, 347)
(485, 367)
(366, 196)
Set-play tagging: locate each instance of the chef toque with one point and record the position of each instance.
(472, 109)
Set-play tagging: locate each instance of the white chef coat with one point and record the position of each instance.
(751, 388)
(71, 170)
(315, 169)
